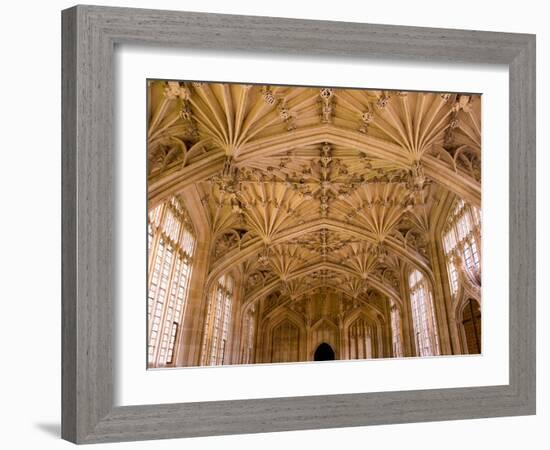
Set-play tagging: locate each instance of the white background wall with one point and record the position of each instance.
(30, 222)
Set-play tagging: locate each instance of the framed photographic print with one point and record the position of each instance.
(266, 230)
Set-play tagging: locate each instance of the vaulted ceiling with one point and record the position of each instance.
(308, 187)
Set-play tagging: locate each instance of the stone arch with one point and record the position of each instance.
(436, 169)
(370, 319)
(254, 246)
(270, 324)
(324, 331)
(324, 352)
(312, 288)
(273, 285)
(469, 320)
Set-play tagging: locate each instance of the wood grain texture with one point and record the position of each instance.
(89, 268)
(68, 227)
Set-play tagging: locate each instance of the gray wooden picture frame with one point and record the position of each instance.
(90, 34)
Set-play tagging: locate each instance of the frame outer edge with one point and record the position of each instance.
(522, 283)
(68, 224)
(88, 205)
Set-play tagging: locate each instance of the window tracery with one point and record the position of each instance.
(171, 244)
(218, 319)
(461, 243)
(423, 314)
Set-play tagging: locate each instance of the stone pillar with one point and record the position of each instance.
(448, 333)
(190, 339)
(387, 331)
(236, 326)
(259, 338)
(409, 345)
(344, 342)
(307, 342)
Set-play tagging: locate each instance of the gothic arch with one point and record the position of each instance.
(318, 285)
(269, 324)
(324, 331)
(435, 169)
(254, 246)
(471, 332)
(275, 284)
(370, 319)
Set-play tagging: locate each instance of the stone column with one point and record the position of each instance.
(344, 342)
(307, 342)
(190, 337)
(236, 326)
(259, 338)
(409, 345)
(443, 303)
(387, 331)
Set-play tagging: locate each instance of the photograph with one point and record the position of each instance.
(260, 225)
(291, 224)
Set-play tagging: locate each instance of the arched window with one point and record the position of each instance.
(170, 245)
(461, 239)
(423, 314)
(396, 330)
(218, 320)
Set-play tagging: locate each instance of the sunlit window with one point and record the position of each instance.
(425, 328)
(218, 319)
(461, 239)
(170, 244)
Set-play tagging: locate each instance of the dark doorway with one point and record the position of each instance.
(324, 353)
(471, 321)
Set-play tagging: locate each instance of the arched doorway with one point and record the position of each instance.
(471, 321)
(324, 353)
